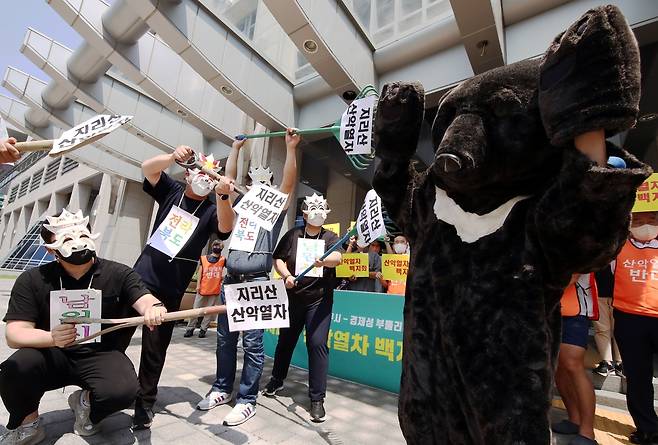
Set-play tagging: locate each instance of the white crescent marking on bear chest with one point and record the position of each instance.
(471, 226)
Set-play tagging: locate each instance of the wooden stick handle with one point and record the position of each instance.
(29, 146)
(136, 321)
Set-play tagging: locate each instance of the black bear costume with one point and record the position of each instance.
(500, 221)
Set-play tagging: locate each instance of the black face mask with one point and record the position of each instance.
(78, 258)
(216, 250)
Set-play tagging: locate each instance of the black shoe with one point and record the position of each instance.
(604, 369)
(619, 369)
(565, 427)
(272, 387)
(202, 333)
(188, 333)
(643, 438)
(143, 418)
(317, 411)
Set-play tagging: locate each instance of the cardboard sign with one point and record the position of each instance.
(335, 227)
(77, 303)
(353, 264)
(244, 235)
(263, 205)
(308, 250)
(395, 267)
(257, 305)
(88, 132)
(646, 196)
(370, 223)
(174, 232)
(356, 126)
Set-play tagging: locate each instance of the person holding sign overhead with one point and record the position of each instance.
(78, 283)
(249, 259)
(185, 220)
(310, 300)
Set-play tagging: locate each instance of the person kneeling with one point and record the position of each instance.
(47, 358)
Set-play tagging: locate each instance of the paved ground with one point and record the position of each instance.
(356, 414)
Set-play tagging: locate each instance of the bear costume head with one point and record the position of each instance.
(517, 200)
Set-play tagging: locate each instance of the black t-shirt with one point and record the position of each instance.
(309, 290)
(165, 277)
(121, 287)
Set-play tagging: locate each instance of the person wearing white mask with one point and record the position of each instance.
(400, 247)
(185, 220)
(635, 302)
(310, 302)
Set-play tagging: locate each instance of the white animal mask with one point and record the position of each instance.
(316, 209)
(71, 233)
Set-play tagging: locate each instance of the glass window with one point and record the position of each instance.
(29, 252)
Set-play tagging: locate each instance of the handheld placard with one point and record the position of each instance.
(328, 252)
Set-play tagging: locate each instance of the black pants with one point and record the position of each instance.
(29, 373)
(153, 355)
(637, 338)
(317, 319)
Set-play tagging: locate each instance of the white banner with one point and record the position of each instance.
(370, 224)
(174, 232)
(262, 205)
(77, 303)
(257, 305)
(244, 235)
(88, 132)
(308, 250)
(356, 126)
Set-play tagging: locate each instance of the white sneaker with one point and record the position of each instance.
(29, 434)
(240, 413)
(213, 399)
(82, 426)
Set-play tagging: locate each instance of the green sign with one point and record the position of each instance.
(365, 339)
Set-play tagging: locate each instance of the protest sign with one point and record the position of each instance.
(395, 267)
(244, 235)
(262, 205)
(370, 225)
(88, 132)
(356, 126)
(308, 250)
(77, 303)
(353, 264)
(174, 232)
(257, 305)
(646, 196)
(335, 227)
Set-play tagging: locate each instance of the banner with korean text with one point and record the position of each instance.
(365, 339)
(353, 265)
(257, 305)
(646, 196)
(395, 267)
(262, 205)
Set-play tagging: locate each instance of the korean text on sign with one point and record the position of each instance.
(262, 205)
(370, 223)
(244, 235)
(356, 126)
(257, 305)
(77, 303)
(641, 270)
(174, 232)
(646, 197)
(353, 265)
(94, 127)
(395, 267)
(308, 250)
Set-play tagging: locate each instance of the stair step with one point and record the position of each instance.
(613, 399)
(614, 383)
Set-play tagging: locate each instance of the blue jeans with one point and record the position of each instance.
(227, 349)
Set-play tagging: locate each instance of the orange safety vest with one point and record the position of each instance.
(636, 280)
(210, 277)
(581, 298)
(396, 287)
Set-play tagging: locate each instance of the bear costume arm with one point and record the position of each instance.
(582, 220)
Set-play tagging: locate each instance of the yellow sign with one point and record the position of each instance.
(352, 224)
(335, 227)
(646, 196)
(353, 264)
(395, 267)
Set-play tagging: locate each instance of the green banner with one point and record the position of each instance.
(365, 339)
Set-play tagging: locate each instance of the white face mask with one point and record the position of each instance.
(400, 248)
(645, 232)
(316, 219)
(201, 184)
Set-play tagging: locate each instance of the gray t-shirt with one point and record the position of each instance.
(260, 260)
(364, 284)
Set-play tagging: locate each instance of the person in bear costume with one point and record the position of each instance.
(517, 200)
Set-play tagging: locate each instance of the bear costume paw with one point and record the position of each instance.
(590, 77)
(399, 117)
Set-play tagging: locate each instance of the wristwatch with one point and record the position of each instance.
(159, 304)
(223, 197)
